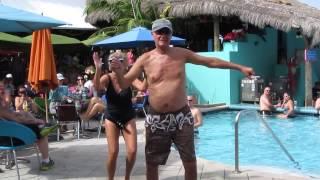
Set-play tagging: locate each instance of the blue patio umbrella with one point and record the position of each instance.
(137, 37)
(16, 20)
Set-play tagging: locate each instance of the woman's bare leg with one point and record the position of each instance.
(112, 134)
(95, 105)
(95, 110)
(130, 137)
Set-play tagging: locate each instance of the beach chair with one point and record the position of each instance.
(67, 114)
(15, 136)
(141, 106)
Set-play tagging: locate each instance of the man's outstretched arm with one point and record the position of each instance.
(213, 62)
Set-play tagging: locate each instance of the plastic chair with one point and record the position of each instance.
(67, 114)
(13, 130)
(100, 118)
(141, 106)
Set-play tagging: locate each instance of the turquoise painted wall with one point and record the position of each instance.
(223, 86)
(256, 53)
(294, 44)
(209, 85)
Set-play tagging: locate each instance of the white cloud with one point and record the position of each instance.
(70, 12)
(314, 3)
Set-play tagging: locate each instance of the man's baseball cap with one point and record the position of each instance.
(9, 76)
(60, 76)
(161, 23)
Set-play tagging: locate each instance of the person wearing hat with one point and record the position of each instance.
(8, 84)
(58, 95)
(170, 119)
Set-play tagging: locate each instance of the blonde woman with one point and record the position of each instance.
(119, 114)
(23, 102)
(288, 106)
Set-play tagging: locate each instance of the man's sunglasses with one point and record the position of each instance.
(163, 31)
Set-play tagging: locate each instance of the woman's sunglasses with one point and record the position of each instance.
(114, 58)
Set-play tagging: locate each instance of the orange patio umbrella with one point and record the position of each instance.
(42, 68)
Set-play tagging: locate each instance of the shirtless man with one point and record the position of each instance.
(196, 114)
(266, 106)
(169, 119)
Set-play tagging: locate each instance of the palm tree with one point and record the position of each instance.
(120, 15)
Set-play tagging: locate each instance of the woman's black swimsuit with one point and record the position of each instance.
(119, 106)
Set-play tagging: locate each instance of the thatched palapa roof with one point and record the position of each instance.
(101, 14)
(279, 14)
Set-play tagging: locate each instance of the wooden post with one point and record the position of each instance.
(46, 106)
(308, 77)
(308, 84)
(216, 32)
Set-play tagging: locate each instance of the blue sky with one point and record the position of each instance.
(314, 3)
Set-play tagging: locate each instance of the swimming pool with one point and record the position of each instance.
(300, 135)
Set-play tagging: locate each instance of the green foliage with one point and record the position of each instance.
(128, 14)
(166, 10)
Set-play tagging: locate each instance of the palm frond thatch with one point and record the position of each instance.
(279, 14)
(100, 10)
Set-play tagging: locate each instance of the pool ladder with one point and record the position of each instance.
(236, 143)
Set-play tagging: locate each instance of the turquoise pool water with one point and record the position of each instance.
(300, 135)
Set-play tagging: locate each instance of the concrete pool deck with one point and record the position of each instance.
(85, 159)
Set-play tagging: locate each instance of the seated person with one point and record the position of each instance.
(196, 113)
(265, 102)
(36, 125)
(317, 105)
(58, 95)
(288, 106)
(6, 99)
(79, 89)
(24, 102)
(95, 106)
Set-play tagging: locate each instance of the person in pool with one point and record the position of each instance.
(266, 106)
(317, 106)
(288, 106)
(196, 113)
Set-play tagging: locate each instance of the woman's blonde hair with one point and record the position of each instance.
(117, 54)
